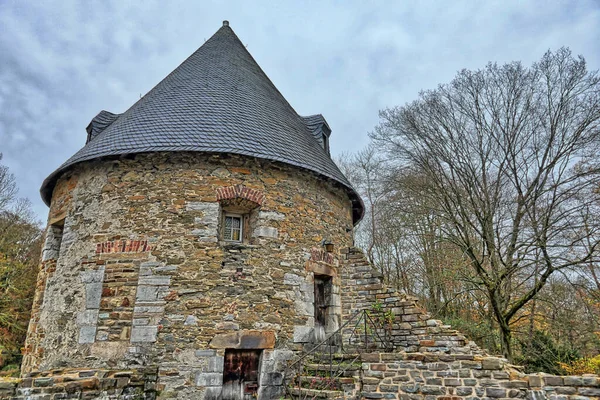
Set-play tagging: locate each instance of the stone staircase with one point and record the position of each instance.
(327, 375)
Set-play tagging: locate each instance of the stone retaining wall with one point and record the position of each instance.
(131, 384)
(417, 376)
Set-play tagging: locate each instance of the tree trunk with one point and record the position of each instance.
(506, 340)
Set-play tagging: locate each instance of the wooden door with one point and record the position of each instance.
(323, 288)
(240, 376)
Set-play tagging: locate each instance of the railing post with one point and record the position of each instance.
(330, 362)
(366, 336)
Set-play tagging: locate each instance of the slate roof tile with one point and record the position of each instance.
(217, 100)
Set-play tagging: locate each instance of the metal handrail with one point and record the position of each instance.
(358, 317)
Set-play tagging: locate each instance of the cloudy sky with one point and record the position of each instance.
(63, 62)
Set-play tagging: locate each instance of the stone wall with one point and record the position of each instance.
(135, 271)
(82, 384)
(432, 360)
(458, 376)
(139, 296)
(406, 324)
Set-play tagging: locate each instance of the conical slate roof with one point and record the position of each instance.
(218, 100)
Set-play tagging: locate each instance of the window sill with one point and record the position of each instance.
(236, 245)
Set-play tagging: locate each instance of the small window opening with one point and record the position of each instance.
(238, 217)
(233, 227)
(326, 143)
(53, 240)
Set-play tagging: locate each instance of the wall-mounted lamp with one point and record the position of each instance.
(328, 245)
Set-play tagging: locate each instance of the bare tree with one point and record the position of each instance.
(365, 171)
(510, 157)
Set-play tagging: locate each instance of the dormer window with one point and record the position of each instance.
(320, 130)
(326, 143)
(233, 227)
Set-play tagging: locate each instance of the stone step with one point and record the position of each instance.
(317, 394)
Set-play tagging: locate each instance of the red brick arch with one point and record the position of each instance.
(240, 191)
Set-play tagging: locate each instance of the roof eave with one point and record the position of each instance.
(47, 188)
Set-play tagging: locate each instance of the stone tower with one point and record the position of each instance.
(188, 233)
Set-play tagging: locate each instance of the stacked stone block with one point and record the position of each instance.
(139, 383)
(411, 328)
(464, 376)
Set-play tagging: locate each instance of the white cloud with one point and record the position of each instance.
(61, 63)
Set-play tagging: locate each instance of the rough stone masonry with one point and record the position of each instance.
(135, 271)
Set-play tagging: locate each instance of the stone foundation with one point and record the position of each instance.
(82, 384)
(458, 376)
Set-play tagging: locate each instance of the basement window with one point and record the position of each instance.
(233, 227)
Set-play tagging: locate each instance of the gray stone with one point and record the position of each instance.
(573, 380)
(140, 321)
(410, 387)
(93, 293)
(437, 390)
(92, 276)
(550, 380)
(144, 333)
(271, 379)
(464, 391)
(166, 268)
(205, 353)
(87, 334)
(208, 208)
(52, 245)
(147, 293)
(492, 363)
(148, 309)
(87, 318)
(303, 334)
(536, 395)
(209, 379)
(191, 320)
(211, 232)
(280, 356)
(292, 279)
(212, 393)
(154, 280)
(266, 231)
(591, 392)
(566, 390)
(495, 392)
(227, 325)
(271, 392)
(214, 364)
(271, 215)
